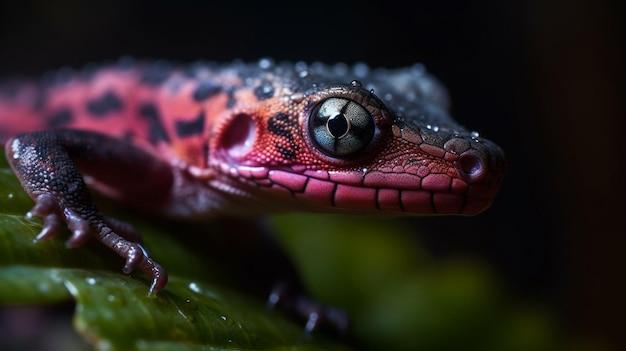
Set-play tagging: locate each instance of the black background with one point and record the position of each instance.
(540, 78)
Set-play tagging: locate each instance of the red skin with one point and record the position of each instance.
(406, 169)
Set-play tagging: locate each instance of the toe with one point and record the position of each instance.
(134, 256)
(51, 228)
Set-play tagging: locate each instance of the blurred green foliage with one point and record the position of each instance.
(402, 299)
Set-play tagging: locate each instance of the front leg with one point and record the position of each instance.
(47, 165)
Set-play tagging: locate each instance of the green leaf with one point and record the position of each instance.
(113, 311)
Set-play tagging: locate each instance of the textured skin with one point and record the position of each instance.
(180, 114)
(200, 140)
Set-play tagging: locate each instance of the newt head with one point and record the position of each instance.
(320, 141)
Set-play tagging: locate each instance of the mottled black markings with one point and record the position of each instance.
(205, 90)
(60, 118)
(287, 152)
(156, 131)
(282, 125)
(264, 91)
(104, 105)
(192, 127)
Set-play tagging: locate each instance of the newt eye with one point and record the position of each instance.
(341, 127)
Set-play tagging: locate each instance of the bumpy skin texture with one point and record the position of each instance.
(200, 140)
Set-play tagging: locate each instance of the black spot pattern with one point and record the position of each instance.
(205, 90)
(280, 124)
(286, 152)
(157, 131)
(60, 118)
(107, 103)
(190, 128)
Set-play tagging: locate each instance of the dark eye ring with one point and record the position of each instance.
(341, 127)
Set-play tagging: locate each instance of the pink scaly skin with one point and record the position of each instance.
(206, 140)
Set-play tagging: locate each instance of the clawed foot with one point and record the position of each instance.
(315, 315)
(117, 235)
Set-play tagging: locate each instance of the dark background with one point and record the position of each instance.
(540, 78)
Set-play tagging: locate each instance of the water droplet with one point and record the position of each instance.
(267, 88)
(474, 134)
(297, 97)
(266, 63)
(435, 128)
(360, 69)
(364, 170)
(372, 91)
(91, 281)
(301, 66)
(356, 83)
(10, 195)
(428, 126)
(370, 86)
(223, 318)
(194, 287)
(303, 74)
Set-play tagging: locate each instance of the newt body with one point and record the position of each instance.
(206, 140)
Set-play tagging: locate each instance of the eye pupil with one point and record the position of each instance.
(338, 125)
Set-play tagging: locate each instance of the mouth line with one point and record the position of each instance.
(350, 191)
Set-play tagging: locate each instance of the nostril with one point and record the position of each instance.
(239, 136)
(471, 165)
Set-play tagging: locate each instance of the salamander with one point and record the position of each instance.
(204, 140)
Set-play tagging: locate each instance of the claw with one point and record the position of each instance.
(51, 227)
(134, 256)
(79, 227)
(45, 204)
(276, 296)
(78, 239)
(312, 322)
(119, 235)
(159, 277)
(316, 315)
